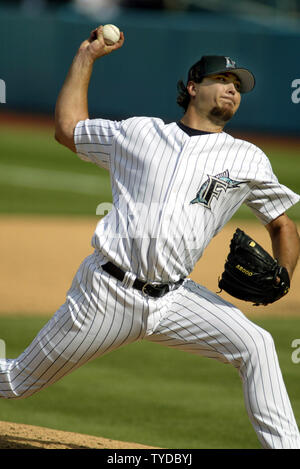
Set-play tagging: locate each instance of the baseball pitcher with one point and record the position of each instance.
(174, 187)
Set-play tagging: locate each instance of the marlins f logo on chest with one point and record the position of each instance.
(212, 188)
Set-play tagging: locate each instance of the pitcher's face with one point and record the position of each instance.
(217, 97)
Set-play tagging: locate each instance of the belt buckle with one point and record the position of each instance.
(144, 287)
(156, 287)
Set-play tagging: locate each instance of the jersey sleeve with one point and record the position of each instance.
(268, 198)
(94, 140)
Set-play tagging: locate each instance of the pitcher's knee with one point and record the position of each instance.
(16, 383)
(10, 394)
(257, 347)
(9, 391)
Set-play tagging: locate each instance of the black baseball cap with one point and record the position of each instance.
(212, 64)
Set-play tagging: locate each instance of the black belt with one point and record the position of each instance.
(155, 290)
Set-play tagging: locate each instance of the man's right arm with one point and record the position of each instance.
(72, 102)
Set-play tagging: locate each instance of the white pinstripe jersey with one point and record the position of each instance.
(173, 192)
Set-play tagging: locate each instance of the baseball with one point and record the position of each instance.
(111, 34)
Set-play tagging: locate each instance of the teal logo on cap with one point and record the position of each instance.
(229, 63)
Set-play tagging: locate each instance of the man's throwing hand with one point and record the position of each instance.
(95, 45)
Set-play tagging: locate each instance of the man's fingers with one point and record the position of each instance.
(95, 34)
(96, 44)
(121, 40)
(119, 43)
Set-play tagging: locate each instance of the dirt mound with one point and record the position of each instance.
(19, 436)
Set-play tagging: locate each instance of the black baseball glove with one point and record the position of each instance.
(251, 274)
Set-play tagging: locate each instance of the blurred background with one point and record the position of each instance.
(163, 38)
(48, 200)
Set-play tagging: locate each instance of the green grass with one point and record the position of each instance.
(285, 163)
(286, 166)
(37, 175)
(149, 394)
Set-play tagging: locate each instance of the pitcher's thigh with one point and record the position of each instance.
(202, 322)
(93, 321)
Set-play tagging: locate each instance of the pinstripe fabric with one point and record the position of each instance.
(92, 322)
(200, 322)
(156, 170)
(156, 233)
(100, 315)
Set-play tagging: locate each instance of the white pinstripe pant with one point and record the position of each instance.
(100, 315)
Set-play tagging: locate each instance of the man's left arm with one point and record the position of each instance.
(285, 242)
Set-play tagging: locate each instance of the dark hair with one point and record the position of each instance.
(183, 97)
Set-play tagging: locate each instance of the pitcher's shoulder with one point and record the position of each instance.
(244, 144)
